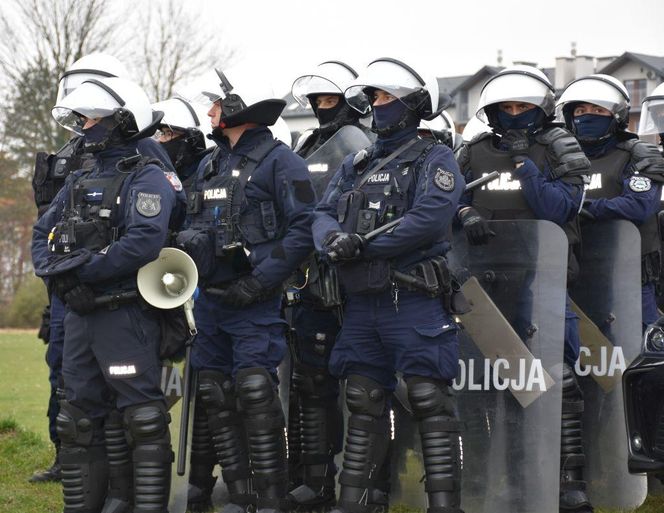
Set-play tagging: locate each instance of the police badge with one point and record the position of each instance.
(444, 180)
(148, 205)
(640, 183)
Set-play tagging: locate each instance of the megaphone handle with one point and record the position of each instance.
(189, 314)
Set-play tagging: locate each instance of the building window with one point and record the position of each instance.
(636, 90)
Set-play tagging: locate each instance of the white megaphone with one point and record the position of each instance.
(169, 281)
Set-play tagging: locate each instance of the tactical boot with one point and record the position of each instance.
(367, 443)
(53, 473)
(265, 423)
(216, 396)
(120, 469)
(573, 497)
(434, 407)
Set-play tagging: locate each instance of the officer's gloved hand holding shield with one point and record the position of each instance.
(475, 226)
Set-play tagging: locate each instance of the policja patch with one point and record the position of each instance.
(640, 183)
(148, 205)
(444, 180)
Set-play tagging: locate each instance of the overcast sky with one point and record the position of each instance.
(284, 38)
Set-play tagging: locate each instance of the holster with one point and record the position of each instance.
(434, 278)
(323, 283)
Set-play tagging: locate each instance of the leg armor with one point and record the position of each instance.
(201, 463)
(573, 496)
(120, 467)
(217, 398)
(434, 408)
(152, 455)
(264, 421)
(367, 443)
(83, 459)
(321, 422)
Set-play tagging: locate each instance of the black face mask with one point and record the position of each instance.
(180, 152)
(326, 116)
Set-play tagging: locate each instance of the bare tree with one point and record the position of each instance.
(175, 46)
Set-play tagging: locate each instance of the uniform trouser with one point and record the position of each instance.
(110, 360)
(54, 361)
(315, 420)
(415, 336)
(247, 345)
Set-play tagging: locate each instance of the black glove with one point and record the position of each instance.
(45, 326)
(343, 246)
(585, 214)
(516, 143)
(63, 283)
(200, 246)
(242, 292)
(80, 299)
(476, 228)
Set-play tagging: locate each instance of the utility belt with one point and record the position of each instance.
(431, 277)
(113, 300)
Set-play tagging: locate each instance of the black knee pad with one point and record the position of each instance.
(255, 389)
(74, 427)
(215, 391)
(429, 397)
(364, 396)
(314, 383)
(148, 422)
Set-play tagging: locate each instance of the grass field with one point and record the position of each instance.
(24, 442)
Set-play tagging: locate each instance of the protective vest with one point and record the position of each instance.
(90, 219)
(51, 171)
(223, 206)
(502, 198)
(608, 172)
(378, 197)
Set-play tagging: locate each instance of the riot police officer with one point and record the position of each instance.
(651, 121)
(183, 134)
(315, 429)
(102, 226)
(390, 324)
(249, 217)
(49, 177)
(629, 171)
(542, 177)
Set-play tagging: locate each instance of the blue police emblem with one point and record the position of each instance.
(640, 183)
(444, 180)
(148, 205)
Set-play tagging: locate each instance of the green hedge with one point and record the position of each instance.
(25, 308)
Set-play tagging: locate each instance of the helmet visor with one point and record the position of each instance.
(87, 100)
(312, 84)
(514, 87)
(652, 116)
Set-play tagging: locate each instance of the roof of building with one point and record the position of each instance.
(653, 62)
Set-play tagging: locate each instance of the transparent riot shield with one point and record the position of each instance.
(324, 162)
(607, 296)
(510, 371)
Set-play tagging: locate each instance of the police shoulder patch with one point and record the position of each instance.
(148, 205)
(639, 183)
(444, 180)
(174, 180)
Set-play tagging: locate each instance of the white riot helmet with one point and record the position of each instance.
(652, 113)
(419, 94)
(473, 128)
(603, 90)
(184, 116)
(330, 77)
(121, 103)
(516, 84)
(441, 128)
(94, 65)
(244, 101)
